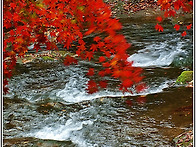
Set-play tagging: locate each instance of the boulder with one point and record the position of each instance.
(185, 77)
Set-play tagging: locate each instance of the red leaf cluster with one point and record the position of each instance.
(177, 27)
(159, 27)
(171, 7)
(67, 22)
(184, 34)
(69, 60)
(189, 27)
(92, 87)
(91, 72)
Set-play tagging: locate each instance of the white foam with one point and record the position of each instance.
(31, 46)
(75, 91)
(63, 132)
(156, 55)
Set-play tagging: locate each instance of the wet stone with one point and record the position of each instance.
(29, 141)
(184, 139)
(46, 108)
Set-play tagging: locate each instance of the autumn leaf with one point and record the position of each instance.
(127, 83)
(103, 84)
(91, 72)
(116, 73)
(101, 44)
(89, 55)
(13, 5)
(69, 60)
(12, 33)
(92, 87)
(102, 73)
(166, 14)
(159, 18)
(107, 71)
(184, 34)
(190, 3)
(140, 87)
(97, 39)
(126, 73)
(106, 64)
(171, 13)
(107, 53)
(16, 17)
(177, 27)
(189, 27)
(177, 4)
(159, 27)
(102, 59)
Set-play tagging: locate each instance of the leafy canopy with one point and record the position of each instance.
(27, 22)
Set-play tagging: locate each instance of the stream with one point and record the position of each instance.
(48, 106)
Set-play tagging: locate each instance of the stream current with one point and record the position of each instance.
(49, 101)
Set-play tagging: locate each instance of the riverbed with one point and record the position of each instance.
(47, 104)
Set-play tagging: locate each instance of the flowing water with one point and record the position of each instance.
(48, 101)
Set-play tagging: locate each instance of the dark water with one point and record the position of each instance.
(48, 101)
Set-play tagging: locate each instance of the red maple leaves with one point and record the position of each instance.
(177, 27)
(189, 27)
(69, 60)
(67, 22)
(92, 87)
(159, 27)
(171, 7)
(91, 72)
(183, 33)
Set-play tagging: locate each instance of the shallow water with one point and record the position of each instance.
(48, 100)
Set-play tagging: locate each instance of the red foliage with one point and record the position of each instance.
(69, 60)
(103, 84)
(171, 7)
(159, 18)
(91, 72)
(159, 27)
(189, 27)
(28, 22)
(177, 27)
(184, 34)
(140, 87)
(92, 87)
(102, 59)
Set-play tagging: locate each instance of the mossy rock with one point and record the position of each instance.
(46, 58)
(185, 77)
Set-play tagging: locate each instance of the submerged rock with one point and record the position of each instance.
(44, 56)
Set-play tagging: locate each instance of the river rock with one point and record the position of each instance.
(185, 139)
(35, 142)
(185, 77)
